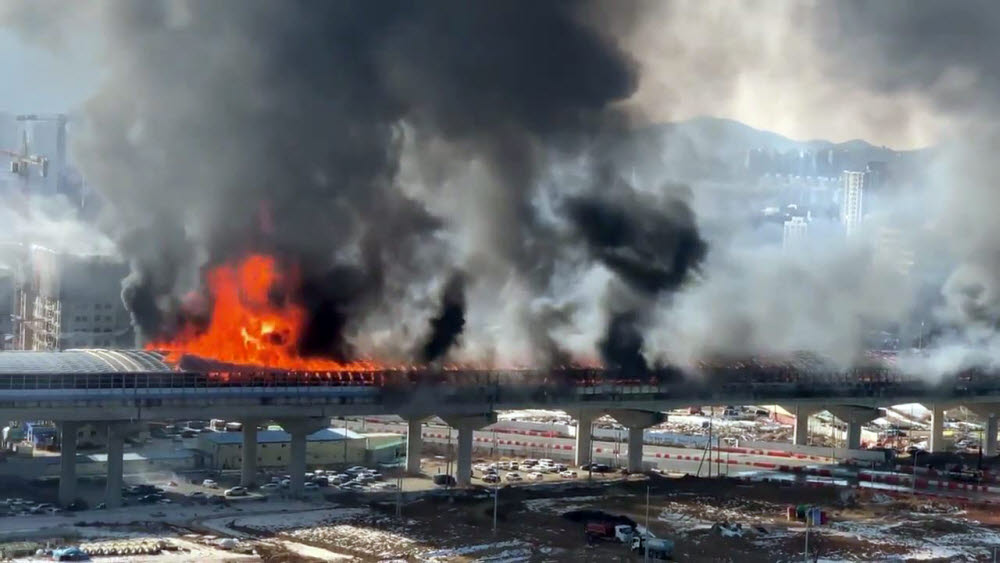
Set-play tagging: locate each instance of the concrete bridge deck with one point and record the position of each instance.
(119, 388)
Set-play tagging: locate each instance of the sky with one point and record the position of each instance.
(36, 80)
(751, 66)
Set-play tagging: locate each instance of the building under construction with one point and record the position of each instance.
(64, 301)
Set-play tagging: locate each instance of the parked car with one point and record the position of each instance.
(512, 477)
(310, 486)
(355, 470)
(270, 487)
(70, 554)
(199, 495)
(209, 484)
(285, 483)
(444, 480)
(567, 474)
(321, 482)
(536, 476)
(236, 492)
(491, 478)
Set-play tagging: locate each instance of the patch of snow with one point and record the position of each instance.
(314, 552)
(565, 504)
(468, 549)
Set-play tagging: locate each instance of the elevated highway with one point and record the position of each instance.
(119, 388)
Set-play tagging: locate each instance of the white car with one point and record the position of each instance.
(536, 476)
(512, 477)
(310, 487)
(503, 465)
(270, 487)
(236, 492)
(568, 474)
(209, 484)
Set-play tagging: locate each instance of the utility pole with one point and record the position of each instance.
(711, 422)
(496, 503)
(590, 464)
(806, 552)
(645, 553)
(399, 497)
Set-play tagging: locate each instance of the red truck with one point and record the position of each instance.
(609, 531)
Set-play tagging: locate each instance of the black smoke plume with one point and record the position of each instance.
(447, 326)
(652, 246)
(211, 110)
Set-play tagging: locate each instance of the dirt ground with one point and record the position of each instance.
(700, 515)
(531, 526)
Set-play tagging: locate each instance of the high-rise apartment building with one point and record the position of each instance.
(795, 233)
(852, 200)
(66, 301)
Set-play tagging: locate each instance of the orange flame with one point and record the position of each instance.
(246, 327)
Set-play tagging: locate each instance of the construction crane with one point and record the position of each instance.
(60, 157)
(22, 161)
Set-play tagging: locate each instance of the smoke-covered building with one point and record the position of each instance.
(893, 250)
(6, 307)
(795, 233)
(66, 301)
(852, 200)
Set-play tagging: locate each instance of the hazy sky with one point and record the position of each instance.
(37, 80)
(753, 62)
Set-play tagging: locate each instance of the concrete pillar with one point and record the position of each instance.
(248, 469)
(582, 451)
(297, 461)
(636, 421)
(115, 478)
(990, 437)
(855, 417)
(635, 441)
(299, 429)
(801, 435)
(466, 426)
(67, 462)
(853, 435)
(414, 445)
(463, 468)
(937, 429)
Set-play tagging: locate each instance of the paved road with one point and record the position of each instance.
(508, 444)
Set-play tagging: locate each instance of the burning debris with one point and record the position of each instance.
(252, 320)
